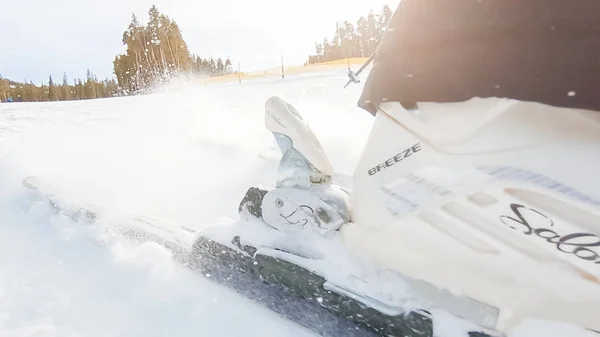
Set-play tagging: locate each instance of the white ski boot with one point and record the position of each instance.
(480, 217)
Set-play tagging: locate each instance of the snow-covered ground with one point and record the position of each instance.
(187, 155)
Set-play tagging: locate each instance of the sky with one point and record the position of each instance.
(42, 38)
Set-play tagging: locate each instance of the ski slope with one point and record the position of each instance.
(186, 154)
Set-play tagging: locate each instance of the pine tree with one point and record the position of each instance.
(220, 67)
(212, 67)
(90, 87)
(52, 96)
(42, 93)
(228, 66)
(80, 90)
(364, 36)
(66, 90)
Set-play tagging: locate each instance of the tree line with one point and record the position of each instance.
(155, 53)
(89, 88)
(350, 41)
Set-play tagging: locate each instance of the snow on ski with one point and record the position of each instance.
(179, 241)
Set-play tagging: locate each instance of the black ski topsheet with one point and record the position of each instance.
(292, 292)
(544, 51)
(298, 295)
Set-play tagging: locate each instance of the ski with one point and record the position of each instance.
(294, 293)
